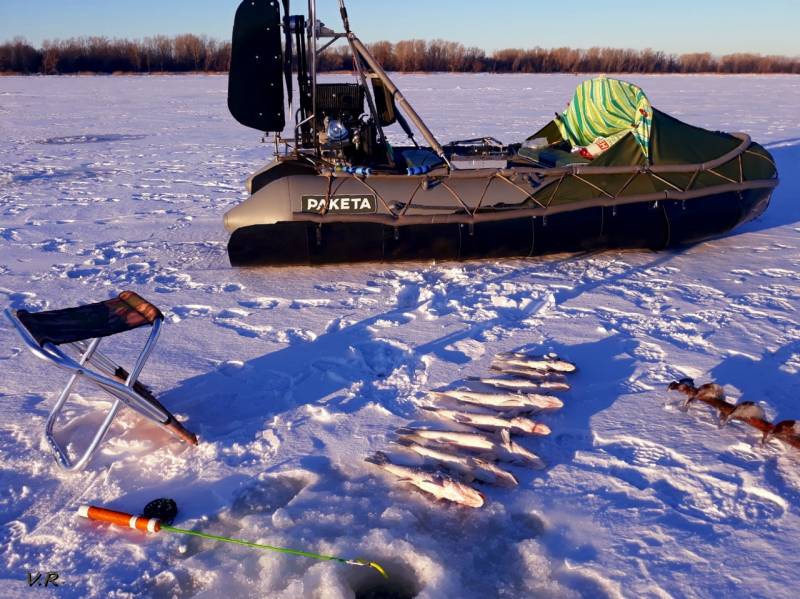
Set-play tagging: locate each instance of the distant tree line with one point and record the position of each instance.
(160, 53)
(185, 53)
(441, 55)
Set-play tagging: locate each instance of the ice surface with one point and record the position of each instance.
(292, 377)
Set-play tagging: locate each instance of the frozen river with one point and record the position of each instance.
(292, 377)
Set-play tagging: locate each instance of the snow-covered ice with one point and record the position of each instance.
(293, 376)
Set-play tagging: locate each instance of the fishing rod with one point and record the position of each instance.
(154, 525)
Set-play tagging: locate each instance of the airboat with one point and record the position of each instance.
(610, 171)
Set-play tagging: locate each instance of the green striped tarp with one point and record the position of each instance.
(607, 108)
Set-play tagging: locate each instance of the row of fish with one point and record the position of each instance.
(445, 462)
(787, 431)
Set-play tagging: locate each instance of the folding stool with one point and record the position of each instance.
(80, 330)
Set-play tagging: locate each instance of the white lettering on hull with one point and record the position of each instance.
(365, 204)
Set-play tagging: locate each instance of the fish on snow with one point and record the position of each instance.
(435, 484)
(469, 467)
(502, 448)
(491, 422)
(517, 454)
(470, 441)
(546, 363)
(744, 411)
(522, 385)
(531, 374)
(787, 431)
(504, 401)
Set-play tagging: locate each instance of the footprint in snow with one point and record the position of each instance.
(264, 497)
(260, 303)
(9, 234)
(91, 139)
(694, 491)
(268, 495)
(227, 288)
(301, 304)
(179, 313)
(26, 300)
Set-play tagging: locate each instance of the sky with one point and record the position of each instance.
(717, 26)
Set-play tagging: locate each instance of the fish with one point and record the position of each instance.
(517, 454)
(530, 374)
(471, 441)
(746, 410)
(501, 448)
(491, 422)
(504, 401)
(787, 431)
(435, 484)
(469, 467)
(710, 393)
(548, 363)
(522, 385)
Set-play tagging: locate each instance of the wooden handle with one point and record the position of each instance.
(120, 518)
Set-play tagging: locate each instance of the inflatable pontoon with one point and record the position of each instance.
(611, 171)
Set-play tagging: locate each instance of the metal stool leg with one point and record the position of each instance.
(109, 377)
(61, 455)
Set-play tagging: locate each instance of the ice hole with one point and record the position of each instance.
(401, 584)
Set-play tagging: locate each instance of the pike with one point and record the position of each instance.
(491, 422)
(548, 363)
(154, 525)
(504, 401)
(469, 467)
(441, 487)
(522, 385)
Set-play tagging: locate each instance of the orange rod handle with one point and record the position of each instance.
(120, 518)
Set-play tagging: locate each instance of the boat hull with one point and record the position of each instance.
(647, 224)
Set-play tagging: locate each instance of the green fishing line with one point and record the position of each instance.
(317, 556)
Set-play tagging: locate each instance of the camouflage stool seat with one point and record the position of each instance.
(124, 313)
(79, 330)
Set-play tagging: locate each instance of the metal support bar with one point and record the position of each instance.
(398, 95)
(386, 205)
(627, 184)
(555, 191)
(455, 194)
(411, 199)
(530, 194)
(721, 176)
(334, 38)
(665, 181)
(595, 187)
(693, 179)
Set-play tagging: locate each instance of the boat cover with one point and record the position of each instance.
(669, 142)
(607, 108)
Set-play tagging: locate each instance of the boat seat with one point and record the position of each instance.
(417, 157)
(552, 157)
(80, 330)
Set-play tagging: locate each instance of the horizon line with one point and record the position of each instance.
(489, 52)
